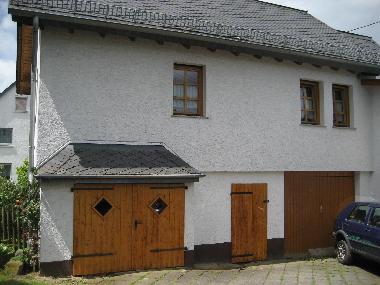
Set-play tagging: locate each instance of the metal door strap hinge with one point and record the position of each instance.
(167, 249)
(242, 255)
(241, 193)
(92, 255)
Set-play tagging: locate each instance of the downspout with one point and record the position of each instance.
(34, 93)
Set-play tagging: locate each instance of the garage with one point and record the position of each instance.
(312, 202)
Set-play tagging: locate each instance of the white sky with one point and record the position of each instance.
(339, 14)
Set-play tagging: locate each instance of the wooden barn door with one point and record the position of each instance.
(102, 224)
(249, 222)
(158, 213)
(124, 227)
(312, 202)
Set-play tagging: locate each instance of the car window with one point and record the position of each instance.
(375, 219)
(358, 214)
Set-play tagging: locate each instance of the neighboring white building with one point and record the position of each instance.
(14, 130)
(273, 116)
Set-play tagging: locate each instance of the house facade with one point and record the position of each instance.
(14, 131)
(161, 145)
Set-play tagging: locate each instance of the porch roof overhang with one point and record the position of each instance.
(117, 163)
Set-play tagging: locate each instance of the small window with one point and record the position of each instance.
(5, 135)
(359, 214)
(188, 90)
(21, 103)
(341, 106)
(309, 95)
(375, 219)
(5, 170)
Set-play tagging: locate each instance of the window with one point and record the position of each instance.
(21, 103)
(5, 136)
(309, 94)
(5, 170)
(359, 214)
(375, 219)
(341, 103)
(188, 90)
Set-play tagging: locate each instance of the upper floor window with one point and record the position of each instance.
(5, 170)
(21, 103)
(6, 135)
(309, 95)
(188, 90)
(341, 106)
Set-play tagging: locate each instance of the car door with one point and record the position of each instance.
(372, 233)
(355, 227)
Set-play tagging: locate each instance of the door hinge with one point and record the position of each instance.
(168, 249)
(266, 201)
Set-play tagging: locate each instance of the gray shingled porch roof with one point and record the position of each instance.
(251, 22)
(92, 160)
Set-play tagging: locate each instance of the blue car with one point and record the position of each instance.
(357, 232)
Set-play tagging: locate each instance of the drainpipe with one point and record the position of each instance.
(34, 92)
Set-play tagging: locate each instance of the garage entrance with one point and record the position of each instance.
(124, 227)
(312, 201)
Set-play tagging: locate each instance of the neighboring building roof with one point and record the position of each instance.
(92, 160)
(7, 89)
(249, 21)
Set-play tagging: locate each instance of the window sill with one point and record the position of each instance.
(21, 111)
(190, 117)
(6, 145)
(344, 128)
(313, 126)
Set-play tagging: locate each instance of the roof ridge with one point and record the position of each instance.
(282, 6)
(354, 34)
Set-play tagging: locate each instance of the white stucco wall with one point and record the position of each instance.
(95, 88)
(56, 228)
(17, 152)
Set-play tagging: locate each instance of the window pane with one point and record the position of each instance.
(178, 91)
(5, 170)
(311, 116)
(179, 76)
(6, 136)
(192, 92)
(339, 107)
(359, 214)
(21, 104)
(192, 77)
(178, 106)
(339, 119)
(302, 104)
(338, 95)
(310, 104)
(309, 92)
(302, 91)
(192, 107)
(375, 219)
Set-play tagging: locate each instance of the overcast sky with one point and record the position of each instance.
(339, 14)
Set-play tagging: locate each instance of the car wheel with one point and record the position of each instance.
(343, 253)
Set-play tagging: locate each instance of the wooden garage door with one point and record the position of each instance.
(248, 222)
(312, 202)
(125, 227)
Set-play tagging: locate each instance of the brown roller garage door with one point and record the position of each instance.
(312, 201)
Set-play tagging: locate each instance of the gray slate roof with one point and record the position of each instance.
(7, 89)
(115, 160)
(249, 21)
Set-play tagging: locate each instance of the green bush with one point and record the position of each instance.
(6, 253)
(24, 196)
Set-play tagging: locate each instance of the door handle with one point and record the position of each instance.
(137, 222)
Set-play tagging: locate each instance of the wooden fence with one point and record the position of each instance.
(12, 229)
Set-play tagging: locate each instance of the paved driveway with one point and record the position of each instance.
(320, 271)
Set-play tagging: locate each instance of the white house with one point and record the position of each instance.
(174, 132)
(14, 131)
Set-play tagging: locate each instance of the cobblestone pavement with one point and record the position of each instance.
(319, 271)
